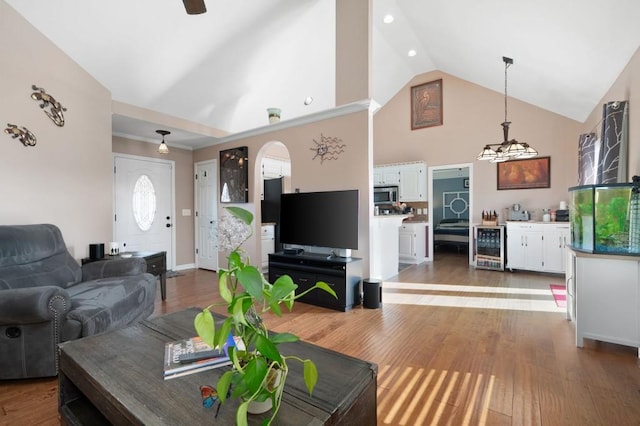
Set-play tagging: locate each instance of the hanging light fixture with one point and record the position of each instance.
(508, 149)
(163, 148)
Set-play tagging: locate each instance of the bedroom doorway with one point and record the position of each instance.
(451, 211)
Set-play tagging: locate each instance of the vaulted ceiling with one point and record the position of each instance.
(224, 68)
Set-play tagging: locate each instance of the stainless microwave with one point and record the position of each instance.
(385, 194)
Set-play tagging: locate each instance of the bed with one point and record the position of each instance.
(452, 232)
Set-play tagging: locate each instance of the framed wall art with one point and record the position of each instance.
(234, 175)
(525, 174)
(426, 105)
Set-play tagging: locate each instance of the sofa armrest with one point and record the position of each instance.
(113, 268)
(33, 304)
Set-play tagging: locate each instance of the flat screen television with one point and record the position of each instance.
(320, 219)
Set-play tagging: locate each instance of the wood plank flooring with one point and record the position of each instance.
(454, 346)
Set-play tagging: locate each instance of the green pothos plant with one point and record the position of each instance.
(247, 294)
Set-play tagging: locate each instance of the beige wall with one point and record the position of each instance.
(472, 116)
(66, 178)
(350, 171)
(184, 172)
(353, 50)
(625, 88)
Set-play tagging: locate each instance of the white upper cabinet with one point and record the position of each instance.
(386, 175)
(413, 182)
(273, 168)
(411, 179)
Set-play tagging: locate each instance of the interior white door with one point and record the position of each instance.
(207, 215)
(144, 205)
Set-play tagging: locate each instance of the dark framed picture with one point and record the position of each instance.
(426, 105)
(525, 174)
(234, 175)
(465, 182)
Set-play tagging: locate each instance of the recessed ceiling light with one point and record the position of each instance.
(308, 100)
(388, 19)
(412, 52)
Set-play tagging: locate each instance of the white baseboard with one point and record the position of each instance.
(187, 266)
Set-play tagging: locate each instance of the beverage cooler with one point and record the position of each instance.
(489, 244)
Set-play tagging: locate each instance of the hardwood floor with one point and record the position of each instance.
(454, 346)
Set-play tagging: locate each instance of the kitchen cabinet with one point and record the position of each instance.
(537, 246)
(413, 182)
(604, 291)
(268, 244)
(274, 168)
(555, 242)
(411, 179)
(524, 246)
(412, 242)
(386, 175)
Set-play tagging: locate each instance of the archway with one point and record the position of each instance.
(272, 178)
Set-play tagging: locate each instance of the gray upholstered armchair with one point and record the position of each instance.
(47, 298)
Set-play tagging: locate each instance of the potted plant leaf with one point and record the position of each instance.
(259, 370)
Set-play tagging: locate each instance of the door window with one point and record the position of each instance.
(144, 203)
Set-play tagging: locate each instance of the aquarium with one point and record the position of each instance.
(605, 218)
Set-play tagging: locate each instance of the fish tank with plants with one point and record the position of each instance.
(606, 218)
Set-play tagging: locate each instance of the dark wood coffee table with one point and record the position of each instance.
(116, 378)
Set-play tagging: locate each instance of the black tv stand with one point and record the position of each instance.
(293, 251)
(344, 275)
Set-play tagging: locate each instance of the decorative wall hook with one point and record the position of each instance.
(23, 134)
(47, 101)
(328, 148)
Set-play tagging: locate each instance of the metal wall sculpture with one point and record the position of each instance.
(612, 167)
(604, 160)
(328, 148)
(588, 150)
(23, 134)
(55, 109)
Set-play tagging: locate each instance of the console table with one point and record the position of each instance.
(156, 265)
(116, 378)
(344, 275)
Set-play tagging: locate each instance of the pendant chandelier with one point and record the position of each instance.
(508, 149)
(163, 148)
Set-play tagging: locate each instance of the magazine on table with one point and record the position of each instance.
(192, 355)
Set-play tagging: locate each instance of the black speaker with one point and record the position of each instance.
(96, 251)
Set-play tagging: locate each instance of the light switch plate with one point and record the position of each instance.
(186, 212)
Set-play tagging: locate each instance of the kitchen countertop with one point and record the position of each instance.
(537, 222)
(419, 218)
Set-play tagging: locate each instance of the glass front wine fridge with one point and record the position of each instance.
(489, 242)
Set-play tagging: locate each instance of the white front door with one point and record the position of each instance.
(144, 205)
(207, 215)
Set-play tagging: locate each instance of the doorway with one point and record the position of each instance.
(206, 215)
(274, 180)
(451, 210)
(144, 205)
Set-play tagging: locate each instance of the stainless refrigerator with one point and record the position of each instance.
(271, 207)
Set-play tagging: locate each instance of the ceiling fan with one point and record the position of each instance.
(194, 7)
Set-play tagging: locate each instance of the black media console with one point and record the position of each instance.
(342, 274)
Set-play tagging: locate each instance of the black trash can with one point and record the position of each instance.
(372, 293)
